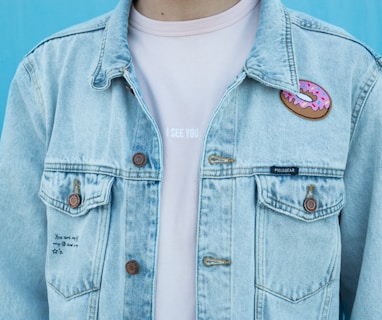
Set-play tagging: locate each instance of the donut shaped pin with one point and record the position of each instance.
(313, 102)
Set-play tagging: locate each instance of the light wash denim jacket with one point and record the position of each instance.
(290, 212)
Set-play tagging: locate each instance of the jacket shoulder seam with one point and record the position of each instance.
(309, 23)
(86, 27)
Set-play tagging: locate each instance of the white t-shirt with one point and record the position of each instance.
(183, 70)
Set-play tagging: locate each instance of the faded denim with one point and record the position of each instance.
(76, 116)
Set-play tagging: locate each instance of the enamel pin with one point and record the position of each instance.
(313, 102)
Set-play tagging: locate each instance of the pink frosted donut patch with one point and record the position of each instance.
(313, 102)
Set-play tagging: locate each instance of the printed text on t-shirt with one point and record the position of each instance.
(182, 133)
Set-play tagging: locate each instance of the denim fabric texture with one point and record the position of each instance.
(76, 117)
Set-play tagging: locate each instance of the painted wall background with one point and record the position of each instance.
(23, 23)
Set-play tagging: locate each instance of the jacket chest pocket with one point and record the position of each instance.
(78, 215)
(298, 234)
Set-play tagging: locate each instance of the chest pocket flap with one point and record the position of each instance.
(92, 190)
(307, 198)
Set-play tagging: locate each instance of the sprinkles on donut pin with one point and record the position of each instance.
(313, 102)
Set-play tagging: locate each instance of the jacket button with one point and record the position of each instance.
(132, 267)
(310, 205)
(139, 160)
(74, 200)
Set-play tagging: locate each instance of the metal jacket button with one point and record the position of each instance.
(310, 205)
(132, 267)
(74, 200)
(139, 160)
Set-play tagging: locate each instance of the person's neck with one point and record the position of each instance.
(182, 10)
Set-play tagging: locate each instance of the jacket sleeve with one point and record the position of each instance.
(22, 214)
(361, 219)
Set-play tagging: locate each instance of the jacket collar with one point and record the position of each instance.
(115, 56)
(271, 60)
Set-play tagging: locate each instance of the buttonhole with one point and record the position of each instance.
(129, 88)
(214, 159)
(76, 186)
(211, 262)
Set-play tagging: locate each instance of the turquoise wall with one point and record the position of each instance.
(23, 23)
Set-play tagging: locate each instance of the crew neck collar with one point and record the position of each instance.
(191, 27)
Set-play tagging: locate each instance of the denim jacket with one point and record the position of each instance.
(290, 205)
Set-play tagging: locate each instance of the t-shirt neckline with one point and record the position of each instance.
(213, 23)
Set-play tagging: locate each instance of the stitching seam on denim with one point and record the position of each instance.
(92, 202)
(73, 32)
(289, 47)
(260, 259)
(102, 236)
(265, 170)
(319, 214)
(74, 295)
(125, 310)
(361, 102)
(29, 68)
(281, 296)
(309, 26)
